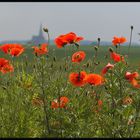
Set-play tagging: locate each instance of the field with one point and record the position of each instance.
(26, 95)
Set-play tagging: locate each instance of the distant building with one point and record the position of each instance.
(38, 39)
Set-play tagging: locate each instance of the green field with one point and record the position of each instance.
(47, 78)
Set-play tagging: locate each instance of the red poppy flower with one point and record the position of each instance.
(78, 56)
(6, 48)
(106, 68)
(12, 49)
(16, 51)
(72, 38)
(3, 62)
(94, 79)
(42, 50)
(63, 101)
(116, 57)
(60, 41)
(130, 76)
(68, 38)
(118, 40)
(78, 79)
(5, 66)
(100, 103)
(122, 40)
(115, 40)
(134, 83)
(54, 103)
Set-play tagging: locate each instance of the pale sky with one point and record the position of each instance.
(19, 21)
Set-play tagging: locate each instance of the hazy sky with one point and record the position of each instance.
(91, 20)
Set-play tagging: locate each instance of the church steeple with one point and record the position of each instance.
(38, 39)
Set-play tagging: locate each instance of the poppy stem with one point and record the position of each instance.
(59, 109)
(119, 48)
(65, 53)
(130, 39)
(116, 48)
(48, 40)
(95, 57)
(44, 97)
(99, 42)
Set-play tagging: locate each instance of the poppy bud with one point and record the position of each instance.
(106, 88)
(99, 39)
(54, 59)
(84, 65)
(45, 30)
(88, 64)
(96, 48)
(116, 46)
(76, 44)
(36, 54)
(34, 66)
(131, 27)
(26, 62)
(4, 87)
(110, 49)
(60, 67)
(51, 65)
(96, 63)
(86, 93)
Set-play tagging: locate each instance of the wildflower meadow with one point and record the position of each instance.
(84, 92)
